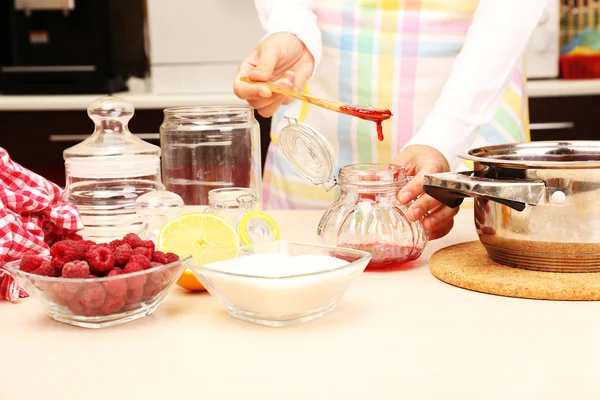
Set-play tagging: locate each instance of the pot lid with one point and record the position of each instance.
(308, 152)
(543, 154)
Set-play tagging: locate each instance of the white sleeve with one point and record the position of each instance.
(496, 40)
(293, 16)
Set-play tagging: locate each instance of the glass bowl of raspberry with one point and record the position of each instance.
(92, 285)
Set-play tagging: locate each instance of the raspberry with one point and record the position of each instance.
(116, 243)
(134, 295)
(59, 262)
(86, 245)
(162, 278)
(135, 281)
(92, 295)
(151, 290)
(115, 271)
(117, 287)
(65, 291)
(143, 251)
(122, 254)
(133, 240)
(92, 312)
(73, 236)
(154, 264)
(141, 260)
(75, 307)
(163, 258)
(76, 269)
(171, 258)
(67, 250)
(46, 269)
(149, 244)
(101, 259)
(30, 262)
(112, 305)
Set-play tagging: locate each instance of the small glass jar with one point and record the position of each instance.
(241, 208)
(211, 147)
(232, 203)
(367, 215)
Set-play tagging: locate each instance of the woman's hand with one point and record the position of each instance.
(281, 58)
(418, 161)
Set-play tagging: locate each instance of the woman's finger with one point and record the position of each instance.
(439, 217)
(250, 91)
(441, 230)
(421, 206)
(269, 110)
(414, 187)
(263, 103)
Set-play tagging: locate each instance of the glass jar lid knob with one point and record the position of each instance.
(308, 152)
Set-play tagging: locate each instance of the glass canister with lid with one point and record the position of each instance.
(109, 170)
(210, 147)
(367, 215)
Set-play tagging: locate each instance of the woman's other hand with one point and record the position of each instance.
(418, 161)
(281, 58)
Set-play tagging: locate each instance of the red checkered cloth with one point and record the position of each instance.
(32, 217)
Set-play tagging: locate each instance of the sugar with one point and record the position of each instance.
(277, 265)
(260, 295)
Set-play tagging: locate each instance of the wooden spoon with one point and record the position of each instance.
(368, 113)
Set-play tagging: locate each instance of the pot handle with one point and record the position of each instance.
(451, 189)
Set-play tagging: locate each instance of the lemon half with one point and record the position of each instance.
(204, 236)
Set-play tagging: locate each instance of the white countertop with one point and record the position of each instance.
(148, 100)
(563, 88)
(395, 335)
(140, 101)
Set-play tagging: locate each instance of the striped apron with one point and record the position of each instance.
(394, 54)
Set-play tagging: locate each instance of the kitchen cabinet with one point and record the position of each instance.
(564, 118)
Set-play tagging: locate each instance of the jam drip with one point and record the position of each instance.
(369, 114)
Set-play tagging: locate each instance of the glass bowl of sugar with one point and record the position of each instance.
(282, 282)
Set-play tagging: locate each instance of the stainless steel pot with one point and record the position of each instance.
(537, 204)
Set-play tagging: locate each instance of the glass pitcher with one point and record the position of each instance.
(367, 215)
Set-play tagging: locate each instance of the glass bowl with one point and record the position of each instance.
(100, 302)
(294, 290)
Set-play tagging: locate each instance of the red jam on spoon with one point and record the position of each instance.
(369, 114)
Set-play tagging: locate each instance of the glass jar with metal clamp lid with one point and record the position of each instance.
(367, 215)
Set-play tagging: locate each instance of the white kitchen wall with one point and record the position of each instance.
(197, 45)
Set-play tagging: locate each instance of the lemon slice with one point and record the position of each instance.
(204, 236)
(257, 227)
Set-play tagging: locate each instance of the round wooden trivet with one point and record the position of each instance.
(467, 266)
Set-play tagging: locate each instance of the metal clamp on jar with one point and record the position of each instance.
(537, 205)
(367, 215)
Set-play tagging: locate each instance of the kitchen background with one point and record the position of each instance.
(57, 56)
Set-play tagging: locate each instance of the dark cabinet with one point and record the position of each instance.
(565, 118)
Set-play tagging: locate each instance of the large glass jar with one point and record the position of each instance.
(108, 171)
(367, 215)
(211, 147)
